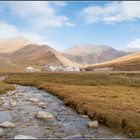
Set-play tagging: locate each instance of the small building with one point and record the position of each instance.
(52, 68)
(76, 69)
(68, 69)
(45, 68)
(29, 69)
(104, 69)
(59, 68)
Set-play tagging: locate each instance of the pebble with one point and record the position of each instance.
(60, 135)
(7, 124)
(2, 98)
(93, 124)
(1, 132)
(13, 103)
(44, 115)
(33, 100)
(42, 105)
(24, 137)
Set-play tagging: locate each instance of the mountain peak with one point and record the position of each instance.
(90, 54)
(13, 44)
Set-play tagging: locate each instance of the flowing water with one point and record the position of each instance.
(67, 123)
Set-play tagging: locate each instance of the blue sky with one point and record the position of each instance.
(64, 24)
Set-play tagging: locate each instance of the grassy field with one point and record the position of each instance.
(5, 87)
(111, 98)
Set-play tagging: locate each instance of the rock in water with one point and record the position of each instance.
(7, 124)
(44, 115)
(13, 103)
(24, 137)
(42, 105)
(33, 100)
(2, 98)
(93, 124)
(1, 132)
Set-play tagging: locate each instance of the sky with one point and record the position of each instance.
(62, 24)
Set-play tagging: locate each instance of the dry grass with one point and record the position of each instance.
(129, 63)
(5, 87)
(111, 98)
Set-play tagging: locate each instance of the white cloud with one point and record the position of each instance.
(50, 20)
(135, 44)
(39, 14)
(59, 3)
(112, 12)
(9, 31)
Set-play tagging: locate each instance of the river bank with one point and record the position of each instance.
(21, 105)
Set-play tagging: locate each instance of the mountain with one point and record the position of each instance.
(40, 55)
(126, 63)
(5, 62)
(92, 54)
(13, 44)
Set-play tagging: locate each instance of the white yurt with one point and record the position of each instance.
(76, 69)
(69, 69)
(52, 68)
(29, 69)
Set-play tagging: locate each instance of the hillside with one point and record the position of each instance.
(92, 54)
(5, 62)
(129, 62)
(40, 55)
(13, 44)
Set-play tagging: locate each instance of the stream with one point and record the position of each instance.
(21, 106)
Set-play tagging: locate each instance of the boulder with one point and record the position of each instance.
(93, 124)
(1, 132)
(44, 115)
(24, 137)
(7, 124)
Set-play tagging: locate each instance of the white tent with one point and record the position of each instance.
(76, 68)
(52, 68)
(69, 69)
(29, 69)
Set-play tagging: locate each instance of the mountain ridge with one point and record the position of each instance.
(129, 62)
(90, 54)
(13, 44)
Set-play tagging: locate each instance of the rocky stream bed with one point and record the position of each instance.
(28, 112)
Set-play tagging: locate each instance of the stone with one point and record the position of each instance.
(60, 135)
(93, 124)
(1, 132)
(2, 98)
(24, 137)
(74, 136)
(7, 124)
(13, 103)
(33, 100)
(84, 116)
(44, 115)
(42, 105)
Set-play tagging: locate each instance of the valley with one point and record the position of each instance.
(109, 93)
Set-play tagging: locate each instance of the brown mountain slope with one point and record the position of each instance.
(13, 44)
(129, 62)
(40, 55)
(5, 62)
(91, 54)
